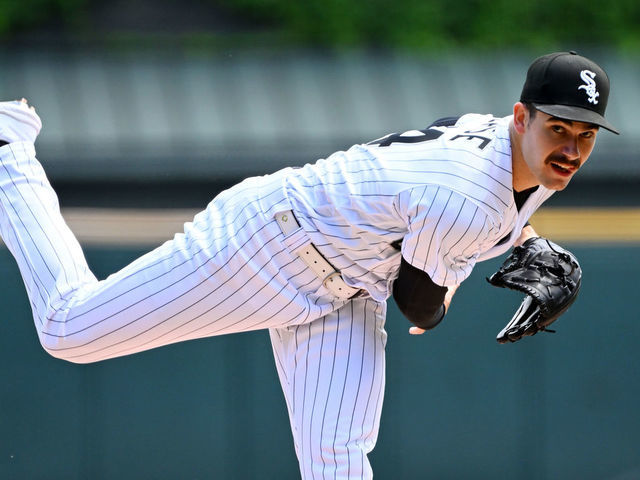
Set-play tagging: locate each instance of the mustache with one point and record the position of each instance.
(562, 160)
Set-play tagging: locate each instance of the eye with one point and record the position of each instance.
(557, 128)
(588, 134)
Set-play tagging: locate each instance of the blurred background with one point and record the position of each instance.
(151, 107)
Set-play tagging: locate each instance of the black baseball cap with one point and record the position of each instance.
(568, 86)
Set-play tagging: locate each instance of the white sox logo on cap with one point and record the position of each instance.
(589, 87)
(553, 87)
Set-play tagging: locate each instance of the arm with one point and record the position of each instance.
(419, 293)
(445, 231)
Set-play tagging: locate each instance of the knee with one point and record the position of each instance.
(55, 340)
(58, 350)
(339, 460)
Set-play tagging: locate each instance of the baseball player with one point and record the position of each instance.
(312, 254)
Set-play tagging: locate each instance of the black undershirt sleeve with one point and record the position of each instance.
(417, 297)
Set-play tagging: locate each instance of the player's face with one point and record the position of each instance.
(554, 149)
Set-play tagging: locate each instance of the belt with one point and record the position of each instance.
(331, 278)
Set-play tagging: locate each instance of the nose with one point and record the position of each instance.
(571, 149)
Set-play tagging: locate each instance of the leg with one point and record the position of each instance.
(332, 372)
(228, 272)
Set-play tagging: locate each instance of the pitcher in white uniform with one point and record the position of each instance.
(312, 254)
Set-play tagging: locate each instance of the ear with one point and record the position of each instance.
(520, 117)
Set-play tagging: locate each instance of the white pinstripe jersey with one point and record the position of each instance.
(446, 192)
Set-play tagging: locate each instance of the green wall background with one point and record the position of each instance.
(458, 405)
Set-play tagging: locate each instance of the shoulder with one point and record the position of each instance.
(478, 132)
(470, 155)
(478, 143)
(478, 153)
(450, 138)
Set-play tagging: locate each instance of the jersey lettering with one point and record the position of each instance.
(471, 134)
(485, 141)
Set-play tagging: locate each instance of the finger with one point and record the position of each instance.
(416, 331)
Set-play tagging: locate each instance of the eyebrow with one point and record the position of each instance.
(590, 126)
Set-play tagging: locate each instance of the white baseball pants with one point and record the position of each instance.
(230, 271)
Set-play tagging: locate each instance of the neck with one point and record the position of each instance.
(522, 176)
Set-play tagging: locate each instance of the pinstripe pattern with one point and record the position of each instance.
(231, 270)
(450, 200)
(228, 272)
(332, 373)
(447, 197)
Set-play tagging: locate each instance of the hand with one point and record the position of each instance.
(447, 301)
(19, 122)
(549, 276)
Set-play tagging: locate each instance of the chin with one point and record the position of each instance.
(556, 185)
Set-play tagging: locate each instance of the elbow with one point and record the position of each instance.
(73, 347)
(64, 354)
(424, 318)
(411, 313)
(418, 297)
(62, 348)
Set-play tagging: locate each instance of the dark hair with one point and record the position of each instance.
(531, 108)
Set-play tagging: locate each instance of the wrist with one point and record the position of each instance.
(527, 233)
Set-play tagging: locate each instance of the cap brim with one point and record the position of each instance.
(576, 114)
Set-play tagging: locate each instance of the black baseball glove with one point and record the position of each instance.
(550, 277)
